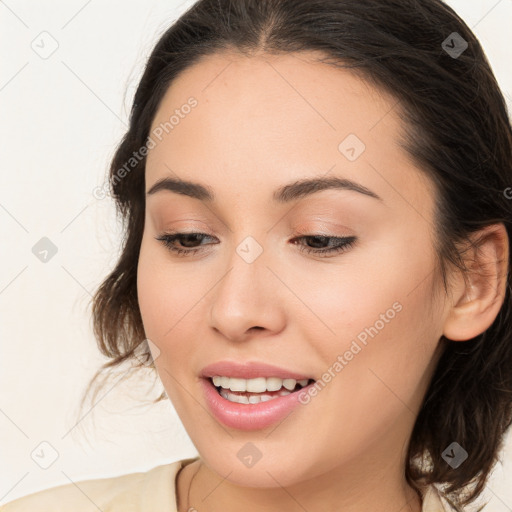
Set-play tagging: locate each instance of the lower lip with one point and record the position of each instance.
(249, 416)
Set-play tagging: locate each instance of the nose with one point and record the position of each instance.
(248, 298)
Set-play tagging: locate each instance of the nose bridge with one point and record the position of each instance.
(247, 273)
(246, 295)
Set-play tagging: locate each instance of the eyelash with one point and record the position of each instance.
(345, 243)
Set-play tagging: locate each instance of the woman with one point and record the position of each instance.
(317, 260)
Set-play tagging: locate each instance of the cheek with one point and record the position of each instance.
(151, 299)
(361, 298)
(380, 337)
(171, 296)
(376, 305)
(164, 300)
(375, 367)
(166, 307)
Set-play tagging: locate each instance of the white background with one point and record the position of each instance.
(61, 119)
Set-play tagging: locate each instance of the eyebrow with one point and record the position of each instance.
(284, 194)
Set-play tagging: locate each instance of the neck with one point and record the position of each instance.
(201, 489)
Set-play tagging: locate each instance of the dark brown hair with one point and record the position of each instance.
(457, 131)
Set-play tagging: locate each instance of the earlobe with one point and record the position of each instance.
(480, 297)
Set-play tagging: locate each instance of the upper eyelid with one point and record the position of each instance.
(314, 215)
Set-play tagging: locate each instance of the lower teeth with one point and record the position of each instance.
(252, 399)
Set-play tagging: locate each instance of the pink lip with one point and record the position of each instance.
(249, 416)
(249, 370)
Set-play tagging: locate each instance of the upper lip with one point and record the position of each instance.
(249, 370)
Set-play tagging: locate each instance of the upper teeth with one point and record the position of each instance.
(258, 385)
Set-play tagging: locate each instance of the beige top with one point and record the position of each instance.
(134, 492)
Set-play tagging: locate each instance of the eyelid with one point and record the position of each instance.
(319, 222)
(191, 227)
(320, 232)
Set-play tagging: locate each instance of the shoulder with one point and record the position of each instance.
(120, 493)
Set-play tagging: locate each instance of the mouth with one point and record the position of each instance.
(249, 400)
(257, 390)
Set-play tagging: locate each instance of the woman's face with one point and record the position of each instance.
(361, 322)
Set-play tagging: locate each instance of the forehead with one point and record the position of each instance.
(274, 118)
(288, 87)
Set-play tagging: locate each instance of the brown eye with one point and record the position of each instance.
(341, 244)
(319, 244)
(186, 239)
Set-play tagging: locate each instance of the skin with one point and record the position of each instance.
(261, 122)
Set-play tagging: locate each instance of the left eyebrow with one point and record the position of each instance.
(284, 194)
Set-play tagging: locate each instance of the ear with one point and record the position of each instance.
(478, 299)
